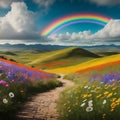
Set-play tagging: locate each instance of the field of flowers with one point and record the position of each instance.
(18, 82)
(94, 99)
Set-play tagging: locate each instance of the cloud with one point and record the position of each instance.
(111, 30)
(6, 3)
(18, 23)
(17, 26)
(110, 34)
(106, 2)
(44, 3)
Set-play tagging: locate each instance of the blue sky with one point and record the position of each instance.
(35, 15)
(65, 7)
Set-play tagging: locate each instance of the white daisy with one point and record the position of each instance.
(85, 87)
(89, 87)
(82, 105)
(5, 101)
(104, 102)
(85, 100)
(11, 95)
(89, 109)
(90, 103)
(92, 91)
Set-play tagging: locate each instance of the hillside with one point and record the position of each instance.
(92, 64)
(61, 58)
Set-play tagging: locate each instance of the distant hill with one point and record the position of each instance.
(64, 57)
(55, 47)
(103, 50)
(42, 48)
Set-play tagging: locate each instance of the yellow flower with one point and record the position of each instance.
(105, 93)
(99, 96)
(115, 93)
(112, 110)
(114, 99)
(89, 95)
(84, 95)
(109, 95)
(114, 88)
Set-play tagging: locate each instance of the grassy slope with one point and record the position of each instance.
(61, 58)
(22, 56)
(54, 59)
(89, 64)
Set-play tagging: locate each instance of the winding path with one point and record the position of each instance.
(43, 105)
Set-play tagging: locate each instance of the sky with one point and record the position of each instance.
(22, 21)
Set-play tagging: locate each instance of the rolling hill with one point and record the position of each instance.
(90, 65)
(61, 58)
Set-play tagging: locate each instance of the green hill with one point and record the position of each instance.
(49, 60)
(62, 58)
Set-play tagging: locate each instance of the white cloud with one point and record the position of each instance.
(111, 30)
(110, 34)
(106, 2)
(44, 3)
(18, 23)
(6, 3)
(17, 26)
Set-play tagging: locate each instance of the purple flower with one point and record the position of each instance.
(4, 83)
(109, 78)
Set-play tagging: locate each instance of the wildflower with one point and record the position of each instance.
(112, 110)
(98, 88)
(89, 95)
(69, 110)
(85, 95)
(82, 105)
(90, 103)
(92, 91)
(85, 87)
(105, 93)
(114, 88)
(12, 81)
(5, 101)
(4, 83)
(114, 99)
(89, 109)
(99, 96)
(104, 102)
(89, 87)
(109, 95)
(11, 95)
(85, 100)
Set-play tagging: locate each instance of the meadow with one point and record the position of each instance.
(18, 83)
(95, 96)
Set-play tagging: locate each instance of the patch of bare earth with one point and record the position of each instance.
(43, 105)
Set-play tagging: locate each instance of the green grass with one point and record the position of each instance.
(22, 91)
(42, 60)
(90, 101)
(74, 101)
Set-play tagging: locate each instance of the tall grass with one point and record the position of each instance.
(94, 97)
(18, 83)
(90, 101)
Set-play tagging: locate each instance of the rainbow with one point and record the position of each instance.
(74, 19)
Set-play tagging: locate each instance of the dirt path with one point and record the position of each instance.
(43, 105)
